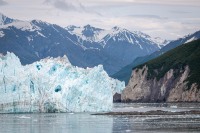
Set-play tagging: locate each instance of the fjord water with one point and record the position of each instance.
(87, 123)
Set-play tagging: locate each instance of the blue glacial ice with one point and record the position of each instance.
(54, 85)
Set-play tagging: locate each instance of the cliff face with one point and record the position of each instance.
(172, 77)
(169, 88)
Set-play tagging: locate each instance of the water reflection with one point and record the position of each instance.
(55, 123)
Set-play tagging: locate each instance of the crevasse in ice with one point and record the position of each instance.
(54, 85)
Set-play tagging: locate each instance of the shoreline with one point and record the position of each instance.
(156, 112)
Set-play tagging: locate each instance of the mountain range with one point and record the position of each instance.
(84, 46)
(125, 73)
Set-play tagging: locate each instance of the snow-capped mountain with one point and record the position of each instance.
(118, 34)
(180, 41)
(84, 46)
(35, 40)
(161, 42)
(87, 33)
(126, 45)
(157, 40)
(92, 34)
(120, 46)
(133, 37)
(191, 37)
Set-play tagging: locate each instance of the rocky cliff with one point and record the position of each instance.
(173, 77)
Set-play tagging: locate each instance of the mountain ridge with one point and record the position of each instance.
(101, 35)
(35, 40)
(125, 73)
(6, 20)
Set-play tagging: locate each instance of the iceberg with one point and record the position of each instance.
(54, 85)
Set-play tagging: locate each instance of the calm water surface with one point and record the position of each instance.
(87, 123)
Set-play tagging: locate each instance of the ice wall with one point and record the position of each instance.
(54, 85)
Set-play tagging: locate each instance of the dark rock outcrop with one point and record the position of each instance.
(117, 97)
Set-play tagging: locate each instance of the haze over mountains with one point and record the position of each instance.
(84, 46)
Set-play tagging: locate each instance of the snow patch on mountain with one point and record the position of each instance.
(188, 38)
(157, 40)
(119, 34)
(87, 33)
(39, 33)
(102, 36)
(1, 34)
(54, 85)
(191, 39)
(132, 37)
(22, 25)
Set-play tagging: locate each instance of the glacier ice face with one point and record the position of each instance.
(54, 85)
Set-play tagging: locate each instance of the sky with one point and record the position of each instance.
(168, 19)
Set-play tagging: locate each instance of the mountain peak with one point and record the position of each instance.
(90, 31)
(3, 15)
(88, 26)
(71, 27)
(5, 20)
(87, 32)
(116, 28)
(36, 22)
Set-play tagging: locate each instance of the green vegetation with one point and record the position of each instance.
(177, 59)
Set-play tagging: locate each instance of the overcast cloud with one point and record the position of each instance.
(168, 19)
(66, 5)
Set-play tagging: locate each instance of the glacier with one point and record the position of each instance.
(54, 85)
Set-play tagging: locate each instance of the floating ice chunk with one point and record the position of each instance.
(24, 117)
(54, 85)
(173, 106)
(1, 34)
